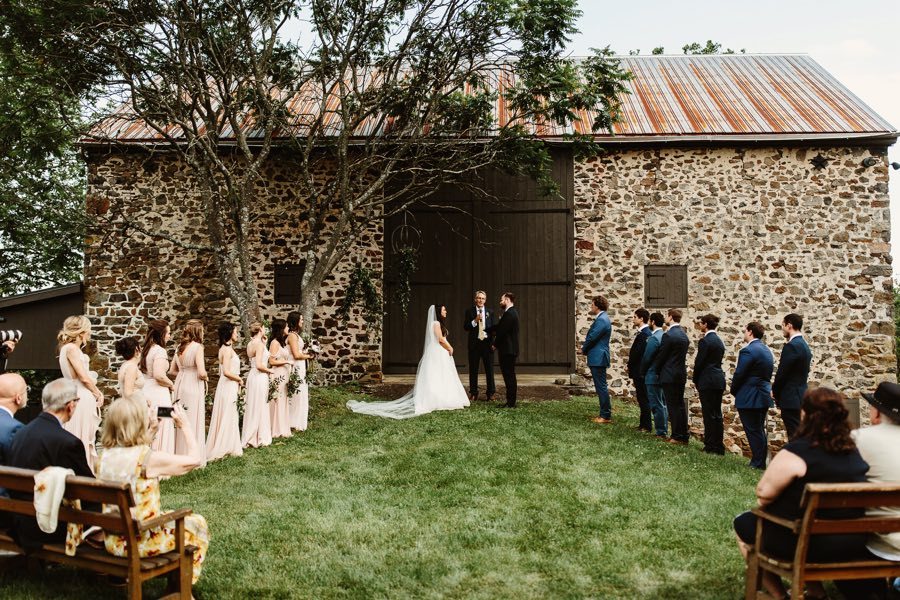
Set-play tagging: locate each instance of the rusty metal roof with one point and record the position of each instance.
(706, 97)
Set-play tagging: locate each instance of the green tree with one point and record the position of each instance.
(419, 73)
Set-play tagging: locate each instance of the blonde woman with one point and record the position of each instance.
(127, 458)
(189, 370)
(73, 363)
(257, 429)
(158, 387)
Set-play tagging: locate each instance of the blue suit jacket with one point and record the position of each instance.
(750, 384)
(8, 428)
(792, 374)
(647, 364)
(596, 344)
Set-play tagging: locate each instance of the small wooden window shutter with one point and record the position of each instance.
(665, 286)
(287, 282)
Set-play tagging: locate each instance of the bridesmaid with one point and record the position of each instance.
(224, 434)
(298, 410)
(280, 360)
(189, 370)
(157, 386)
(257, 429)
(73, 363)
(130, 377)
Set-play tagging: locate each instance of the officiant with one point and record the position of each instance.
(478, 319)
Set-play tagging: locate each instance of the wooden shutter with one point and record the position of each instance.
(665, 286)
(287, 282)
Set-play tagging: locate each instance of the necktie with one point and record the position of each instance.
(481, 334)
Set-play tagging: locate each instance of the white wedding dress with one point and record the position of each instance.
(437, 385)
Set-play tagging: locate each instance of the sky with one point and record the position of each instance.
(857, 42)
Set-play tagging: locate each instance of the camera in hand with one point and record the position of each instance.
(164, 412)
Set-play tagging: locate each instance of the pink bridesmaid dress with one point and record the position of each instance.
(224, 433)
(278, 408)
(298, 410)
(158, 395)
(190, 391)
(257, 429)
(86, 419)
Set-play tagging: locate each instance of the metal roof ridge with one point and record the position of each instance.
(44, 294)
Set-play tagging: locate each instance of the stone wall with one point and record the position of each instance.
(763, 233)
(128, 280)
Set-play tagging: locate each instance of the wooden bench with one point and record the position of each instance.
(178, 564)
(825, 496)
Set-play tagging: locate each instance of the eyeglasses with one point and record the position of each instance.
(75, 399)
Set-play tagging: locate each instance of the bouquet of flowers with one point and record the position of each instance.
(274, 383)
(294, 382)
(241, 402)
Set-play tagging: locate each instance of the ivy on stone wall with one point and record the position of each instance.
(362, 289)
(407, 264)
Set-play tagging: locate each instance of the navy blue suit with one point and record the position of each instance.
(651, 379)
(791, 382)
(670, 363)
(709, 379)
(8, 428)
(752, 391)
(635, 355)
(596, 348)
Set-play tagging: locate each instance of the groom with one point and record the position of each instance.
(506, 341)
(479, 319)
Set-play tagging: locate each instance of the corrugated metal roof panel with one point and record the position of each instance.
(670, 97)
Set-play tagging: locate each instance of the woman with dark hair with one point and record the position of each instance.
(437, 386)
(280, 360)
(224, 437)
(298, 404)
(130, 377)
(822, 452)
(158, 387)
(189, 370)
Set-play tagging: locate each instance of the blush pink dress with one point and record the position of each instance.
(158, 395)
(224, 431)
(298, 404)
(190, 391)
(278, 408)
(257, 430)
(86, 419)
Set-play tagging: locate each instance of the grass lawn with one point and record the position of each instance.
(536, 502)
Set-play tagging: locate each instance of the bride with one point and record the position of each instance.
(437, 385)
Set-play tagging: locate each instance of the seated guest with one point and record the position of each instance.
(127, 458)
(822, 452)
(13, 397)
(44, 443)
(879, 446)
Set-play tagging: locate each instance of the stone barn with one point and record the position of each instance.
(749, 186)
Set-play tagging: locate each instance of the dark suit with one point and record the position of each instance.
(44, 443)
(506, 339)
(790, 382)
(480, 351)
(753, 395)
(709, 379)
(9, 426)
(670, 363)
(634, 373)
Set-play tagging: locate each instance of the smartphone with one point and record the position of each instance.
(164, 412)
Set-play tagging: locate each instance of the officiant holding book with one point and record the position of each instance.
(478, 320)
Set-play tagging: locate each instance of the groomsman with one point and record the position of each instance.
(709, 379)
(793, 373)
(651, 378)
(752, 391)
(506, 342)
(671, 365)
(479, 319)
(596, 349)
(640, 320)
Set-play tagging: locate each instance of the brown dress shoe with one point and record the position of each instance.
(677, 442)
(601, 420)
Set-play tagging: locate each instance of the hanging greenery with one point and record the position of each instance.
(407, 264)
(362, 289)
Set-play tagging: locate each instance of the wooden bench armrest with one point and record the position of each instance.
(175, 515)
(793, 526)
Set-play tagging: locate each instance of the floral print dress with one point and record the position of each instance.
(129, 465)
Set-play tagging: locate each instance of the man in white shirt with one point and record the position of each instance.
(879, 446)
